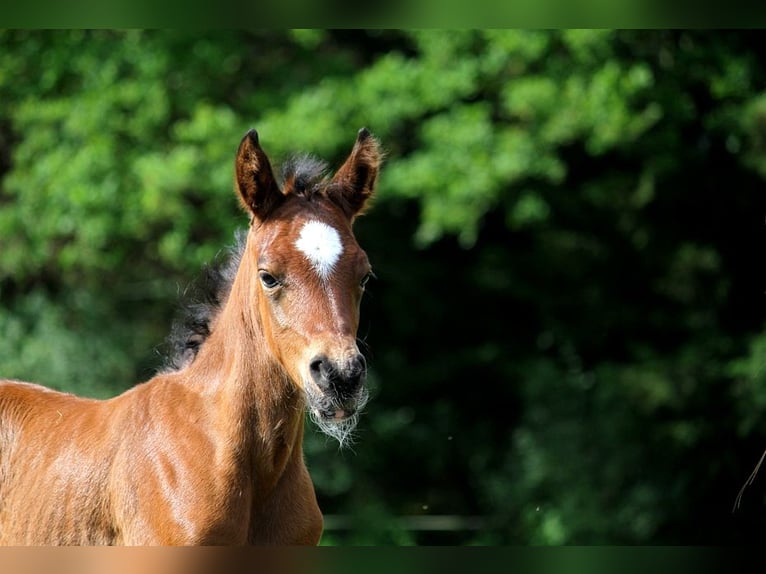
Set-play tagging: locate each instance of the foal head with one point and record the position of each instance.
(311, 272)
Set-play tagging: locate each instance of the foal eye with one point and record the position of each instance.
(365, 279)
(268, 280)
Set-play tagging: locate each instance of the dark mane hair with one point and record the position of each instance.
(200, 304)
(303, 174)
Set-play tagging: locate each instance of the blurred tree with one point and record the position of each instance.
(567, 334)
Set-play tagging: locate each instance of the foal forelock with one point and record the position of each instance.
(303, 174)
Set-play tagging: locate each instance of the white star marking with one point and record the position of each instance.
(321, 245)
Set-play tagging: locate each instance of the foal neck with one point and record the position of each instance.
(255, 402)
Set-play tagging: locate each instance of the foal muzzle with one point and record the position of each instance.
(341, 383)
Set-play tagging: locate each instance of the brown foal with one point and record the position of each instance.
(210, 452)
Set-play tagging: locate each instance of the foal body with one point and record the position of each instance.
(211, 453)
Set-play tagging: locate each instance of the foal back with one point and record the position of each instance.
(54, 468)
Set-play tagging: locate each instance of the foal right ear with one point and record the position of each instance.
(258, 190)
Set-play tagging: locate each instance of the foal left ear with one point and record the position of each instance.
(355, 180)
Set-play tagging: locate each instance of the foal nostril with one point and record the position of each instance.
(318, 368)
(353, 375)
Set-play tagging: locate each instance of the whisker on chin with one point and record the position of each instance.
(341, 430)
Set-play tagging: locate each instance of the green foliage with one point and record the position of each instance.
(70, 345)
(564, 336)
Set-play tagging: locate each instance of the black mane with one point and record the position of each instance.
(200, 304)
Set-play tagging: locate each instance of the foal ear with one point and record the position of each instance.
(258, 190)
(355, 180)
